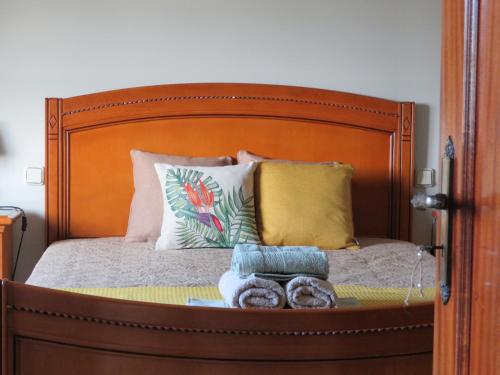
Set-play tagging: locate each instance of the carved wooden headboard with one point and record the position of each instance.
(88, 140)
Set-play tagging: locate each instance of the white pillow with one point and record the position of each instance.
(207, 206)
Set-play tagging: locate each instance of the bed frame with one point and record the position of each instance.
(89, 186)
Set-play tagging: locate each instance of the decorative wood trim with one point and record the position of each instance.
(225, 100)
(146, 330)
(228, 97)
(122, 323)
(53, 126)
(406, 182)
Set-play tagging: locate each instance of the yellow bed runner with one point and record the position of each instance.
(178, 295)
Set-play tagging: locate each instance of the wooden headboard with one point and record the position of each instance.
(88, 140)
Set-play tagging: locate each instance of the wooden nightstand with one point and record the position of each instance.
(8, 219)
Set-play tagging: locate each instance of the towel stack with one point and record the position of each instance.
(258, 273)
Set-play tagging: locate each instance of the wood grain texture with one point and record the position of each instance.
(52, 168)
(448, 334)
(89, 186)
(485, 315)
(86, 333)
(7, 222)
(51, 357)
(468, 328)
(406, 171)
(89, 138)
(6, 250)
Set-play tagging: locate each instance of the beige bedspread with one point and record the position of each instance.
(111, 262)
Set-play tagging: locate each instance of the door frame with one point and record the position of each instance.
(458, 108)
(468, 85)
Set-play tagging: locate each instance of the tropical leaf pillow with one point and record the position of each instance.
(207, 206)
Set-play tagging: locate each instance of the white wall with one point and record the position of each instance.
(385, 48)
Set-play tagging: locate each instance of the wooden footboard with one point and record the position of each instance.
(88, 143)
(45, 331)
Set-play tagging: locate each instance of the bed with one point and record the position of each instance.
(378, 274)
(88, 140)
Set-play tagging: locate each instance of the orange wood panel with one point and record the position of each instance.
(88, 138)
(100, 182)
(7, 222)
(6, 251)
(403, 213)
(52, 168)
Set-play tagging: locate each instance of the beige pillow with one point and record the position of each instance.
(245, 157)
(146, 209)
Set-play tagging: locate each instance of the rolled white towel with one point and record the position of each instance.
(251, 292)
(310, 292)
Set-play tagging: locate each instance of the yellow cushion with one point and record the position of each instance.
(305, 204)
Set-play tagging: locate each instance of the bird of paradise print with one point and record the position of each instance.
(207, 215)
(203, 204)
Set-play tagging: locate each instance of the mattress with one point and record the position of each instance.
(112, 262)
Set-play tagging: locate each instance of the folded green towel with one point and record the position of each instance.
(279, 262)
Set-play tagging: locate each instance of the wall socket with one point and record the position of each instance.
(425, 177)
(34, 175)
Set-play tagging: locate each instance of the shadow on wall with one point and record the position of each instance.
(32, 248)
(422, 220)
(3, 150)
(422, 130)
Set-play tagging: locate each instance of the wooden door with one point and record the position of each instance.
(467, 330)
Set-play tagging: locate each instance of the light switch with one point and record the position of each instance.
(34, 175)
(425, 177)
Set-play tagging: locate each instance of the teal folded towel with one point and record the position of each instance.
(279, 262)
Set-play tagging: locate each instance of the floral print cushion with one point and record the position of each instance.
(207, 206)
